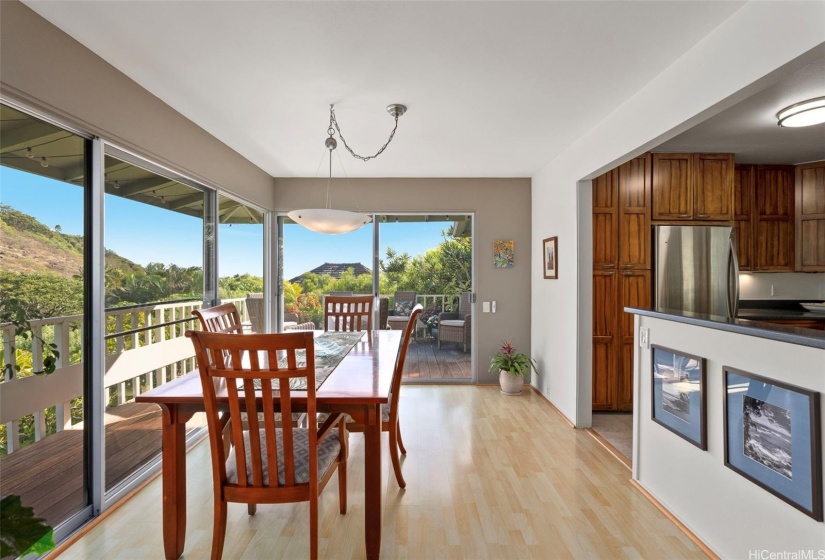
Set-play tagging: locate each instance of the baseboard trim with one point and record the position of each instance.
(688, 533)
(559, 412)
(610, 447)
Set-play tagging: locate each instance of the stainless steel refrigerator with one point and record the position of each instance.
(696, 269)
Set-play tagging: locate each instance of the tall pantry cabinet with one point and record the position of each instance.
(621, 276)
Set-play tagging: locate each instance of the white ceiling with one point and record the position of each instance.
(494, 89)
(749, 129)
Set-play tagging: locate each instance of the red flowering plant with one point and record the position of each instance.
(308, 307)
(513, 362)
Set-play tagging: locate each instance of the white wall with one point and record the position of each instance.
(727, 512)
(789, 285)
(738, 58)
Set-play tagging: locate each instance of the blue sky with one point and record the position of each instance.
(144, 234)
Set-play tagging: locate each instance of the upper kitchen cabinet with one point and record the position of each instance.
(605, 221)
(773, 226)
(693, 187)
(744, 180)
(634, 213)
(810, 217)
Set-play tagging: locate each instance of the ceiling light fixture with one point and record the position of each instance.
(29, 153)
(328, 220)
(805, 113)
(44, 162)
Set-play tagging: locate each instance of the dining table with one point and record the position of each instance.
(358, 386)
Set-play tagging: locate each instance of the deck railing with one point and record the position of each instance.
(145, 347)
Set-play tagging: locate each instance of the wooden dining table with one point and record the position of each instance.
(358, 386)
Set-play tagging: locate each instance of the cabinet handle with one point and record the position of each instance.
(703, 215)
(683, 215)
(627, 266)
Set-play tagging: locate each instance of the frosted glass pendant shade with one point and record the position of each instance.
(322, 220)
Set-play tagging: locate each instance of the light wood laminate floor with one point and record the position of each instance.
(487, 476)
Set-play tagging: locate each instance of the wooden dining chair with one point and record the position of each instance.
(348, 314)
(266, 465)
(222, 318)
(389, 411)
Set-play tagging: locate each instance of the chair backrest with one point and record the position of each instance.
(465, 306)
(291, 317)
(402, 357)
(255, 308)
(222, 318)
(404, 300)
(348, 314)
(231, 369)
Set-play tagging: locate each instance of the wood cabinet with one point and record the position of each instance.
(773, 225)
(692, 187)
(810, 217)
(621, 276)
(763, 216)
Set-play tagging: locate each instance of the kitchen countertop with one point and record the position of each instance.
(792, 335)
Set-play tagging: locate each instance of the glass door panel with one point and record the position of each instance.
(43, 184)
(427, 259)
(154, 279)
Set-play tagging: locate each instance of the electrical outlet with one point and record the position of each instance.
(485, 307)
(644, 337)
(773, 290)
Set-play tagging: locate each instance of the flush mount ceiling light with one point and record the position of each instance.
(806, 113)
(328, 220)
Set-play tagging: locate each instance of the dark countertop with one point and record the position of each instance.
(792, 335)
(755, 310)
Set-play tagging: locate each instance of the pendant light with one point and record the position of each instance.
(327, 219)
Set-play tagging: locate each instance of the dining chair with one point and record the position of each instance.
(267, 465)
(348, 314)
(389, 411)
(222, 318)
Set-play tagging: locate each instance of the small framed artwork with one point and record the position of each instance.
(772, 438)
(678, 393)
(550, 257)
(503, 255)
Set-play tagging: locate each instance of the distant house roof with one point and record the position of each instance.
(335, 270)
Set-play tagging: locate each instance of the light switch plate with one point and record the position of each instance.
(494, 307)
(644, 337)
(485, 307)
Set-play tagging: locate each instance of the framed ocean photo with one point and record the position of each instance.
(772, 438)
(678, 394)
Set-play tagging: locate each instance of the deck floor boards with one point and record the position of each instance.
(426, 361)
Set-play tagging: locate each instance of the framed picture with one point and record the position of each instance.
(772, 438)
(503, 255)
(550, 257)
(678, 393)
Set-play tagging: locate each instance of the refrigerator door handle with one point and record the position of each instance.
(733, 279)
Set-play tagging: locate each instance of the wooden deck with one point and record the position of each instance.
(426, 361)
(48, 475)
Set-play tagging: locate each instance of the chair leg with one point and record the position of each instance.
(400, 441)
(218, 528)
(313, 527)
(342, 466)
(396, 464)
(251, 509)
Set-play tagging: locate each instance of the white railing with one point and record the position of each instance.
(145, 348)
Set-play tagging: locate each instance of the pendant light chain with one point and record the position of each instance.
(334, 122)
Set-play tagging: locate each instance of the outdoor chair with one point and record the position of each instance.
(255, 309)
(400, 316)
(455, 326)
(389, 412)
(223, 318)
(291, 323)
(266, 465)
(348, 314)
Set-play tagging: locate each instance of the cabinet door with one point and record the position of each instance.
(604, 340)
(743, 185)
(634, 291)
(713, 186)
(672, 187)
(634, 213)
(774, 223)
(810, 217)
(605, 221)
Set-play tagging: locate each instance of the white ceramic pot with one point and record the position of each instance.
(510, 384)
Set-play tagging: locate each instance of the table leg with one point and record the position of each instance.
(372, 481)
(174, 480)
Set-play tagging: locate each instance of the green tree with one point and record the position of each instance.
(42, 295)
(240, 284)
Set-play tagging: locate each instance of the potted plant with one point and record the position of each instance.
(513, 367)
